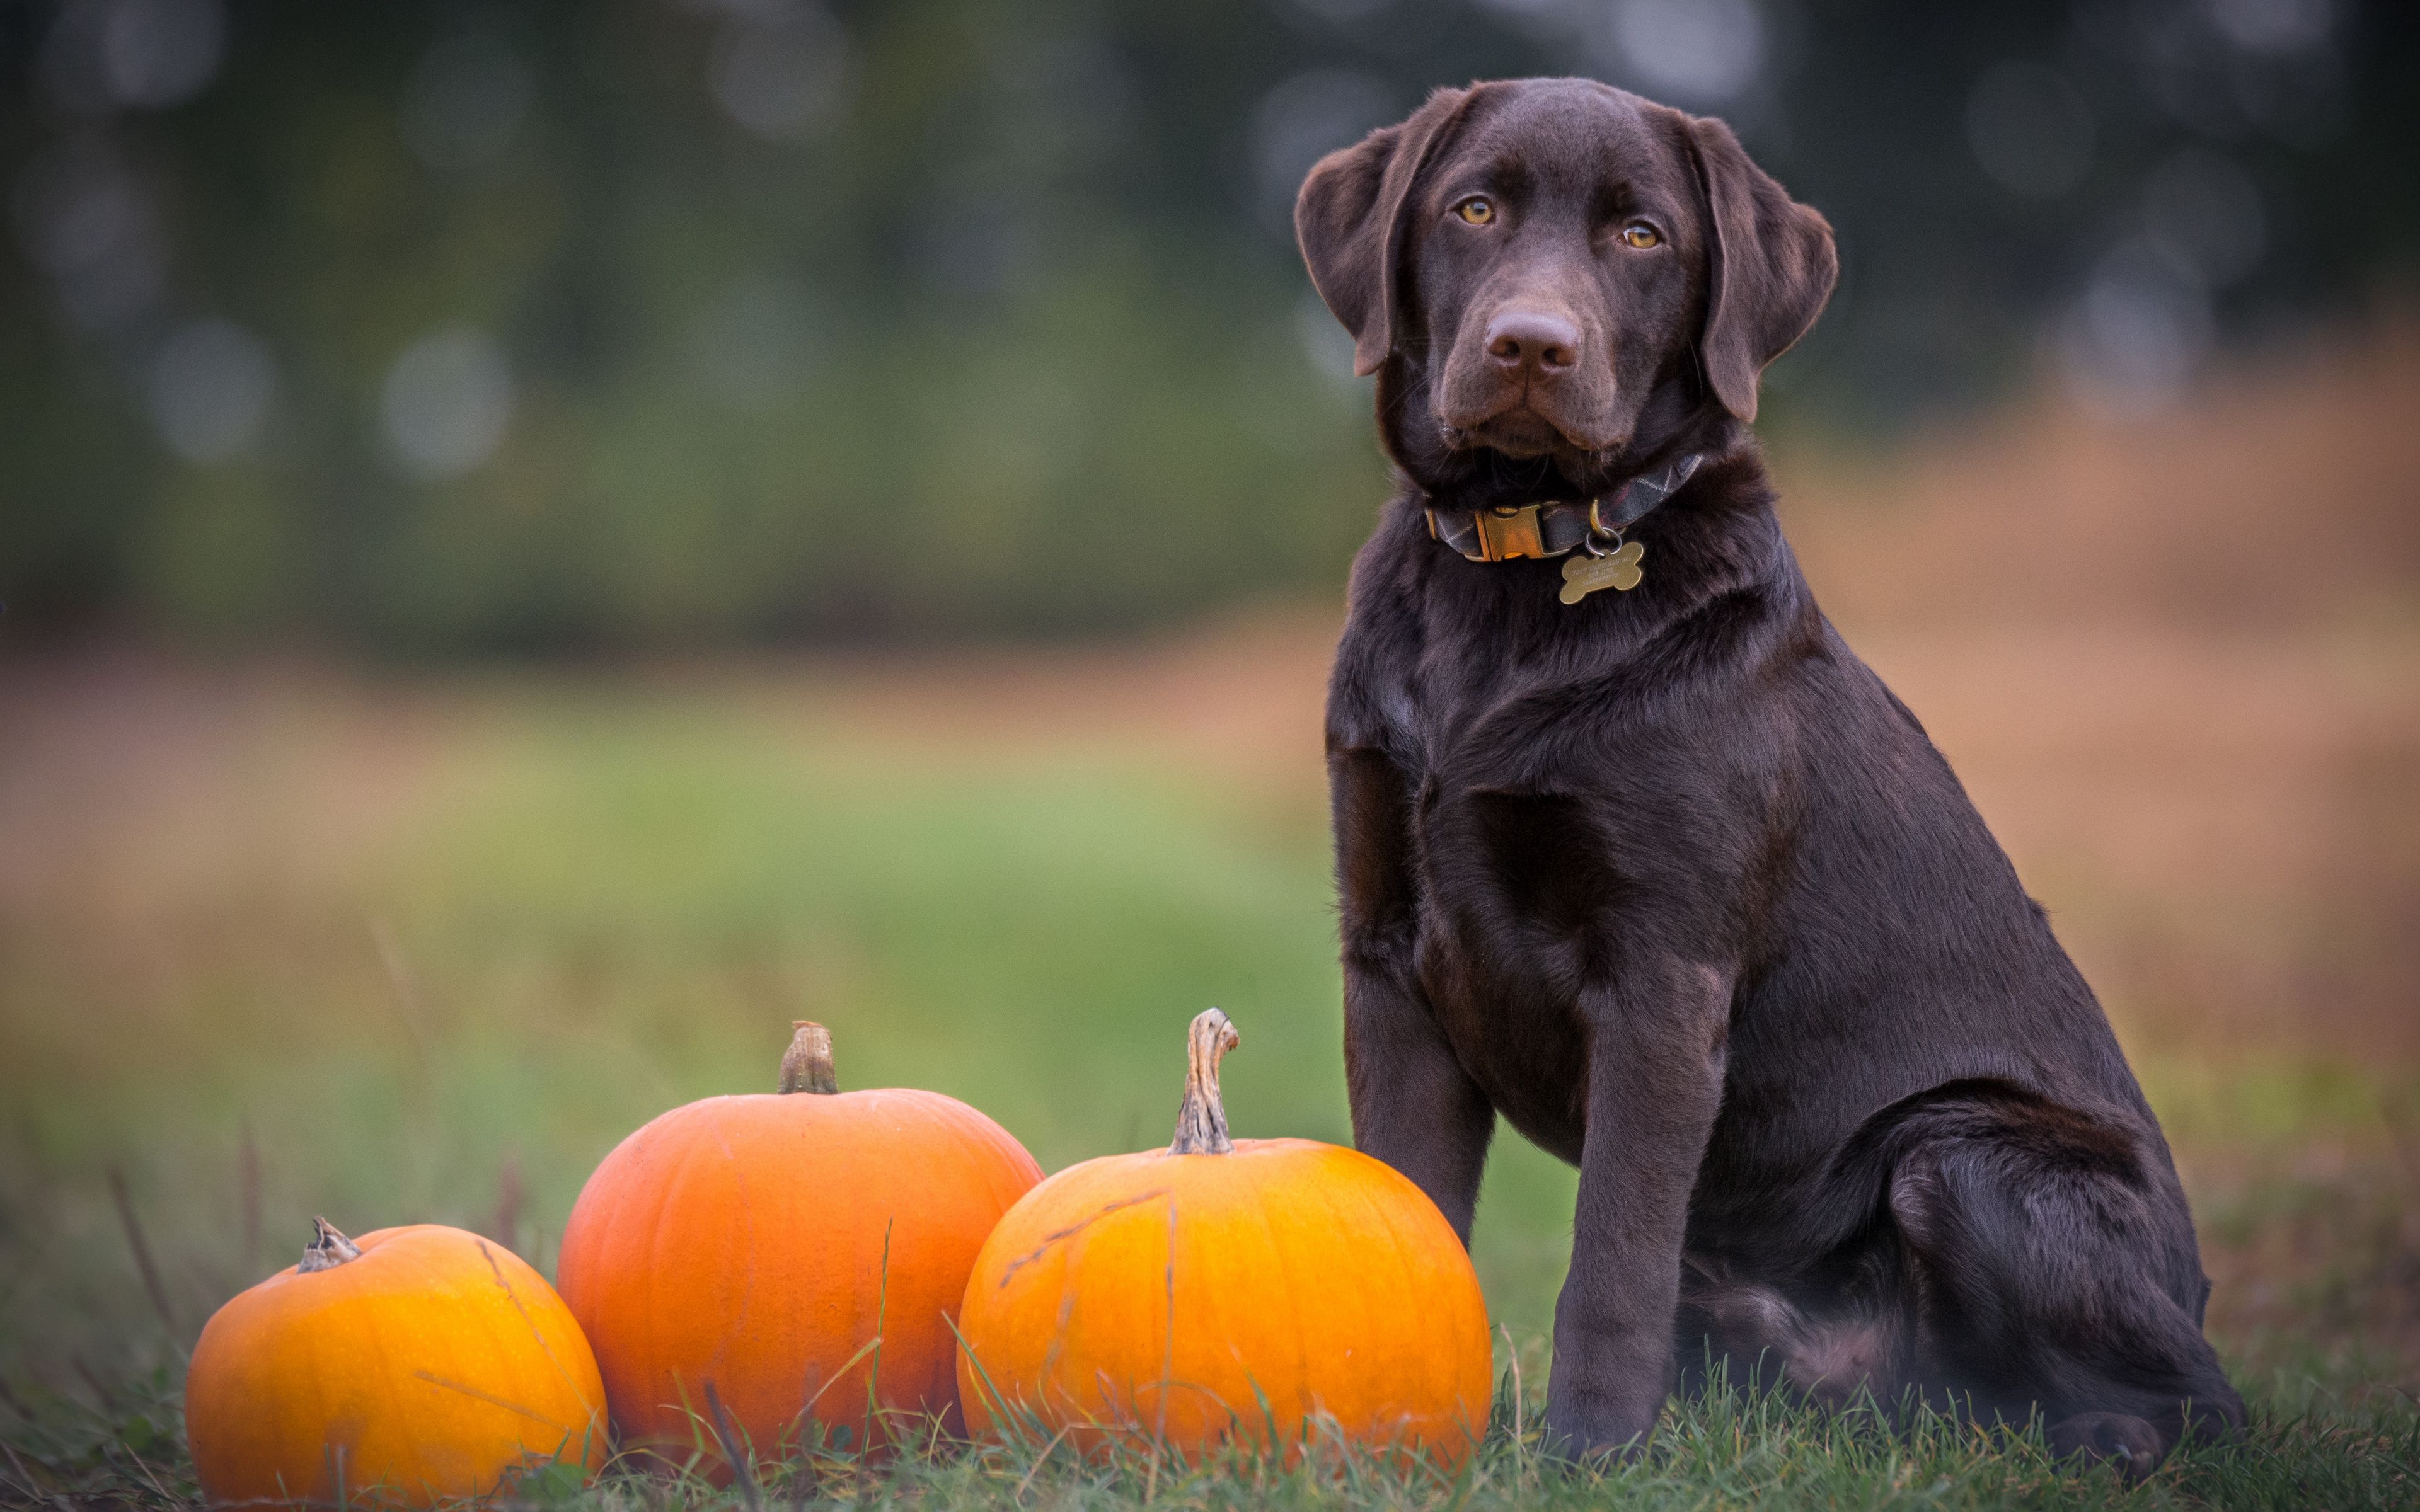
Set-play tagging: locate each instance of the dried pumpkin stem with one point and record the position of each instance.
(807, 1065)
(328, 1249)
(1201, 1119)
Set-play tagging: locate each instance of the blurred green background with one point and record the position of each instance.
(467, 327)
(542, 542)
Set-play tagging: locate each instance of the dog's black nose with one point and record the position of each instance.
(1545, 344)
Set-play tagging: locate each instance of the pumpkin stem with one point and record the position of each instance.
(328, 1249)
(1201, 1119)
(807, 1065)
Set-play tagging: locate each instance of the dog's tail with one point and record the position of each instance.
(1761, 1335)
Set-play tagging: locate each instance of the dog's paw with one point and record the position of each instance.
(1574, 1438)
(2127, 1445)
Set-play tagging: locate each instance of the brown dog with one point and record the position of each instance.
(1636, 852)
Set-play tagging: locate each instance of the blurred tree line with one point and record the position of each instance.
(538, 325)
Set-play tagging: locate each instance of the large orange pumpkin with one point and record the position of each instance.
(412, 1366)
(1267, 1288)
(793, 1251)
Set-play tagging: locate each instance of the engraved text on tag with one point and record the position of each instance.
(1616, 570)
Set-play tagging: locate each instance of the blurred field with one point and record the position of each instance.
(424, 946)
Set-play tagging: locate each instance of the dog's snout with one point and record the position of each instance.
(1543, 344)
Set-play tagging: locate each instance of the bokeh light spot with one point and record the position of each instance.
(447, 402)
(2274, 25)
(87, 221)
(101, 55)
(2139, 332)
(465, 101)
(1696, 52)
(2209, 209)
(755, 345)
(209, 390)
(161, 53)
(1303, 118)
(781, 72)
(2029, 128)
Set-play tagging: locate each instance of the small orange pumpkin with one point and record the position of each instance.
(412, 1366)
(1228, 1288)
(762, 1244)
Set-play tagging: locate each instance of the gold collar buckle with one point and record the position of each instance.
(1510, 531)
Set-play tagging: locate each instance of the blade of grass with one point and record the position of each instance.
(247, 1165)
(24, 1476)
(1023, 1419)
(1167, 1360)
(1017, 1496)
(742, 1470)
(874, 1371)
(142, 1248)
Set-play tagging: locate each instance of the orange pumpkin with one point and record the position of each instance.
(412, 1366)
(763, 1244)
(1260, 1288)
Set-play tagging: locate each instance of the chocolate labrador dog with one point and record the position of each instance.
(1633, 851)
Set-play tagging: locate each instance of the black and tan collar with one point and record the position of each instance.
(1555, 529)
(1591, 527)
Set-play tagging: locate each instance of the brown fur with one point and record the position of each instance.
(1668, 879)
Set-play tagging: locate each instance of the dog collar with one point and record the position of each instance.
(1592, 527)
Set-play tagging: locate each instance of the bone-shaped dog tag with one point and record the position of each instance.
(1616, 570)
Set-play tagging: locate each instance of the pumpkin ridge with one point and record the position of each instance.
(585, 1272)
(466, 1350)
(1293, 1300)
(1077, 1228)
(1406, 1283)
(1068, 1297)
(746, 1224)
(380, 1325)
(538, 1334)
(1303, 1344)
(325, 1372)
(661, 1315)
(489, 1347)
(489, 1398)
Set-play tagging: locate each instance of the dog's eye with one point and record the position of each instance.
(1642, 235)
(1477, 210)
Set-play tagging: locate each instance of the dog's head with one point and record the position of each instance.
(1556, 271)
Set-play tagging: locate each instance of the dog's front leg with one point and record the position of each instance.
(1414, 1106)
(1655, 1081)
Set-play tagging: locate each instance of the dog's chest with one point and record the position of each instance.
(1518, 904)
(1556, 838)
(1529, 864)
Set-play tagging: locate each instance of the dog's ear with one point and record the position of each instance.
(1348, 220)
(1771, 266)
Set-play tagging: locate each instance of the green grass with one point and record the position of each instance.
(1727, 1448)
(605, 912)
(580, 908)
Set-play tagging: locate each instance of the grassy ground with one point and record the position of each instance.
(278, 939)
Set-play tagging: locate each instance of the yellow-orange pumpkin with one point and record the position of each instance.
(760, 1243)
(1253, 1287)
(412, 1366)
